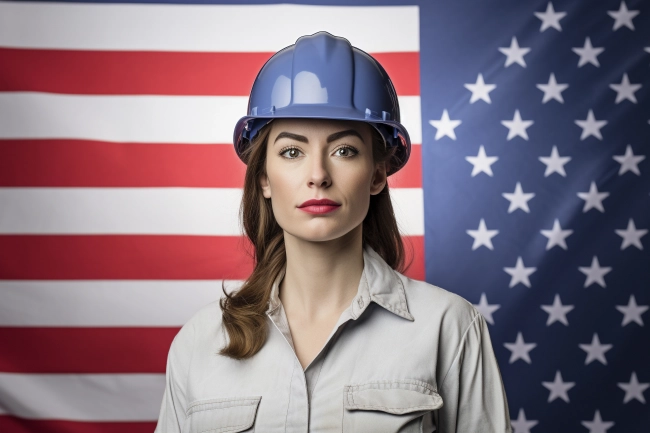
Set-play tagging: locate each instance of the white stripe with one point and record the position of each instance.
(106, 303)
(82, 397)
(155, 119)
(411, 117)
(152, 119)
(408, 205)
(163, 211)
(266, 28)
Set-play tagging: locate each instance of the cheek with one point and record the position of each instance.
(357, 190)
(358, 179)
(283, 190)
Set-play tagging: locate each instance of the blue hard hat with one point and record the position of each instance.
(323, 76)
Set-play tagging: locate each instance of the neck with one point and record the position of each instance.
(321, 278)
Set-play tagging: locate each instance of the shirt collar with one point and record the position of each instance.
(379, 284)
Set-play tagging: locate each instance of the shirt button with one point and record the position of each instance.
(360, 302)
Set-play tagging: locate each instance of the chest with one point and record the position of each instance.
(309, 338)
(367, 378)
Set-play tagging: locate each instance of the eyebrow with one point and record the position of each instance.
(330, 138)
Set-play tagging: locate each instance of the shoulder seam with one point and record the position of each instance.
(460, 347)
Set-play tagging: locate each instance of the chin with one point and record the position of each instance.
(316, 235)
(320, 232)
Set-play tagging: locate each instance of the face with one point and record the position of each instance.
(315, 159)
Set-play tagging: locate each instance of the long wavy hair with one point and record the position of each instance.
(244, 311)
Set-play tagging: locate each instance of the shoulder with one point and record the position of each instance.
(429, 302)
(454, 323)
(203, 323)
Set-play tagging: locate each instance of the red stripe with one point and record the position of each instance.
(12, 424)
(414, 248)
(137, 257)
(85, 350)
(86, 163)
(410, 176)
(166, 257)
(159, 73)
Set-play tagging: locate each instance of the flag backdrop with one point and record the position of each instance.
(527, 191)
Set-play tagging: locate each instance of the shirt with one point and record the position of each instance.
(405, 356)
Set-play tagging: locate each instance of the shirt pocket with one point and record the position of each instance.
(222, 415)
(389, 406)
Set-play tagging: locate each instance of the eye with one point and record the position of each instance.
(346, 151)
(291, 151)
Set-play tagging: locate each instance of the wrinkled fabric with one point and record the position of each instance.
(405, 356)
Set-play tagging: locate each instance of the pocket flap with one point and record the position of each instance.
(395, 396)
(222, 415)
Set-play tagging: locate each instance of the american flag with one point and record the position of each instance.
(536, 181)
(120, 188)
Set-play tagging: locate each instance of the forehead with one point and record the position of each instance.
(317, 127)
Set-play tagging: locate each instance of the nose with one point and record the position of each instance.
(319, 175)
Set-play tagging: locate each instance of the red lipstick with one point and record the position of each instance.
(321, 206)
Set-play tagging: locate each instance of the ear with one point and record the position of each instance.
(266, 185)
(379, 179)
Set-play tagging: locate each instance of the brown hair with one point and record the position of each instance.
(244, 311)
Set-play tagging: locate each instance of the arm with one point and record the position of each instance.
(174, 402)
(474, 399)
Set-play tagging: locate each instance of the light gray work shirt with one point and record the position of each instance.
(405, 356)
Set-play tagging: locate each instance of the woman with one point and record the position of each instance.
(327, 334)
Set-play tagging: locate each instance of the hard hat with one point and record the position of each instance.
(323, 76)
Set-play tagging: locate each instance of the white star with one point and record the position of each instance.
(445, 126)
(597, 425)
(514, 53)
(591, 126)
(632, 312)
(588, 54)
(480, 90)
(625, 90)
(557, 312)
(552, 90)
(631, 236)
(550, 18)
(623, 17)
(521, 424)
(481, 162)
(482, 236)
(593, 198)
(516, 126)
(633, 389)
(486, 309)
(554, 163)
(595, 273)
(520, 349)
(558, 388)
(595, 350)
(556, 236)
(629, 161)
(519, 273)
(518, 199)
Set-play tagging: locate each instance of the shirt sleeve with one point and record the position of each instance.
(474, 398)
(174, 402)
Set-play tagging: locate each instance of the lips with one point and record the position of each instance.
(321, 202)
